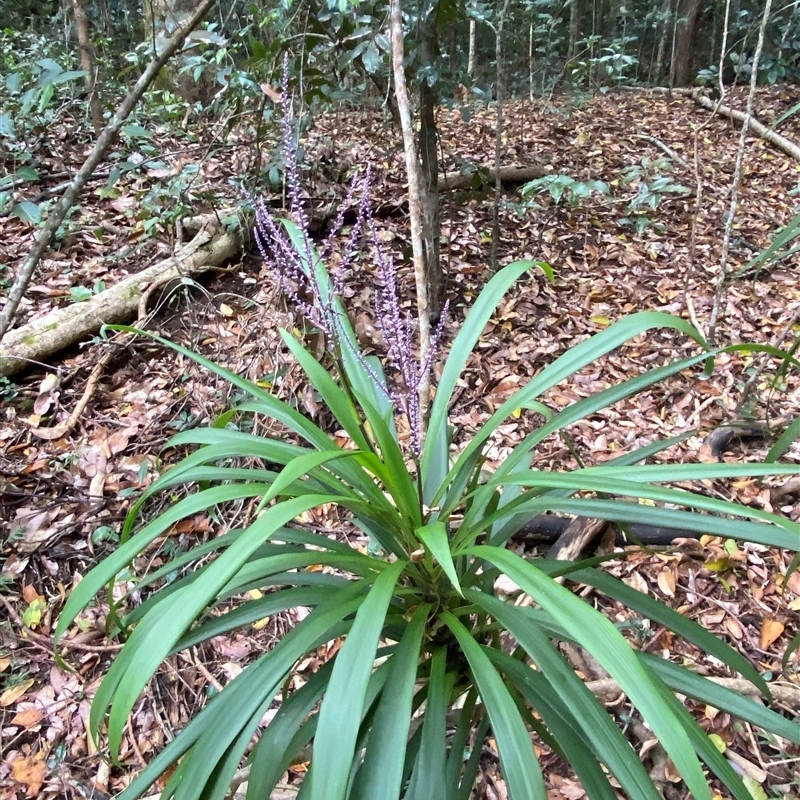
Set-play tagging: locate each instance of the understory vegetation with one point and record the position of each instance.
(413, 425)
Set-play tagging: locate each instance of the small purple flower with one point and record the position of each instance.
(296, 268)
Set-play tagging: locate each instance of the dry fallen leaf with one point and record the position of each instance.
(28, 717)
(666, 582)
(30, 770)
(13, 694)
(771, 629)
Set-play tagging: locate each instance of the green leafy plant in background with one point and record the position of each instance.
(564, 187)
(35, 91)
(646, 180)
(433, 657)
(652, 186)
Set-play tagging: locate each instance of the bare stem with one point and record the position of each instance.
(414, 199)
(722, 278)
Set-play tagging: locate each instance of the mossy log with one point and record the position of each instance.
(36, 341)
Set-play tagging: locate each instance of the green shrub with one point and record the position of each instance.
(422, 676)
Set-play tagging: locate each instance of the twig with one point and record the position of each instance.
(46, 643)
(722, 278)
(678, 159)
(782, 692)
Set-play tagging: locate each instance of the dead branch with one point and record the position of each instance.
(676, 157)
(578, 535)
(782, 692)
(781, 142)
(509, 176)
(104, 141)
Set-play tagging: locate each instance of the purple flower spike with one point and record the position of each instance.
(295, 267)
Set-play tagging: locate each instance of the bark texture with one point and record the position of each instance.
(37, 341)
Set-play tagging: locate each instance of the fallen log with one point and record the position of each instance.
(38, 340)
(510, 176)
(546, 529)
(781, 142)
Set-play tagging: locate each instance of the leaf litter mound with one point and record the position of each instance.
(63, 501)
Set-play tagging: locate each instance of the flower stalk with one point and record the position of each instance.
(317, 292)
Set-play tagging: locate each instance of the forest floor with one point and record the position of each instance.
(63, 501)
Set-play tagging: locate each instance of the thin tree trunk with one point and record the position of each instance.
(88, 63)
(429, 164)
(530, 62)
(574, 28)
(722, 277)
(414, 201)
(473, 30)
(104, 141)
(498, 131)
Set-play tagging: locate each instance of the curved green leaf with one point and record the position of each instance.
(156, 635)
(520, 767)
(434, 462)
(221, 718)
(107, 569)
(381, 773)
(435, 539)
(686, 628)
(587, 717)
(604, 642)
(430, 768)
(570, 362)
(340, 713)
(707, 691)
(555, 711)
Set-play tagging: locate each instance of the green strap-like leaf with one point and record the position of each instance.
(381, 774)
(520, 455)
(221, 720)
(686, 628)
(340, 405)
(428, 776)
(470, 771)
(587, 716)
(619, 511)
(273, 753)
(434, 537)
(567, 726)
(604, 642)
(574, 359)
(108, 568)
(520, 767)
(277, 409)
(435, 458)
(706, 691)
(156, 634)
(340, 714)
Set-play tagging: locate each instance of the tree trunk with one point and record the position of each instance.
(88, 63)
(414, 200)
(574, 28)
(429, 163)
(666, 22)
(473, 29)
(498, 132)
(531, 92)
(685, 30)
